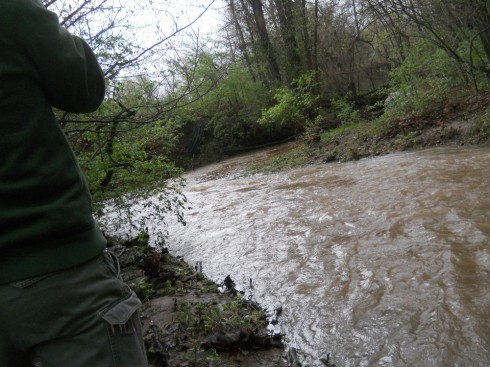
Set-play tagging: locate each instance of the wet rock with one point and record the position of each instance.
(222, 342)
(243, 340)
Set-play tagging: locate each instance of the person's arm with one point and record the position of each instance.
(63, 64)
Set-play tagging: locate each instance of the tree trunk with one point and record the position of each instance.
(248, 18)
(483, 24)
(241, 37)
(306, 36)
(314, 60)
(265, 43)
(288, 34)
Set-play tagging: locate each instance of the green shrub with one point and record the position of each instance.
(481, 126)
(427, 79)
(294, 107)
(345, 110)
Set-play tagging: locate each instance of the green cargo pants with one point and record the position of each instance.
(84, 316)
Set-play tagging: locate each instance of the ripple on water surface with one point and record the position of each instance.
(380, 262)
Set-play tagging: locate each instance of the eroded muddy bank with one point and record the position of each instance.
(189, 320)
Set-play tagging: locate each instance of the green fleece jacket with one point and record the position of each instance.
(46, 222)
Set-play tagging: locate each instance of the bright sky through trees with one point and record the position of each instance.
(202, 17)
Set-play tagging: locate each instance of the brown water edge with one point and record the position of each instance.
(187, 320)
(384, 261)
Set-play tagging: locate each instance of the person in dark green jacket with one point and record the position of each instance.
(61, 300)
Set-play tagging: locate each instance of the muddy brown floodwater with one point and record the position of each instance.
(379, 262)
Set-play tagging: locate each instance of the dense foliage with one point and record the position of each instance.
(279, 69)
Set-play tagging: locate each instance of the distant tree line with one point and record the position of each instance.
(277, 70)
(316, 64)
(352, 45)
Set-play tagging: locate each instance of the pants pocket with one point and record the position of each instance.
(124, 331)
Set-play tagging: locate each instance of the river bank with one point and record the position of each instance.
(318, 205)
(188, 320)
(179, 300)
(465, 122)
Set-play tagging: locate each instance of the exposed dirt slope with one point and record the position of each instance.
(461, 123)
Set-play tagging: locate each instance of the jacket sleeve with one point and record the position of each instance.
(64, 65)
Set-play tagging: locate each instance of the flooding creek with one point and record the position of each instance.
(379, 262)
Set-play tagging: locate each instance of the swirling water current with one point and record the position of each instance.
(379, 262)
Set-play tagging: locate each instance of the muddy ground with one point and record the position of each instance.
(462, 122)
(189, 320)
